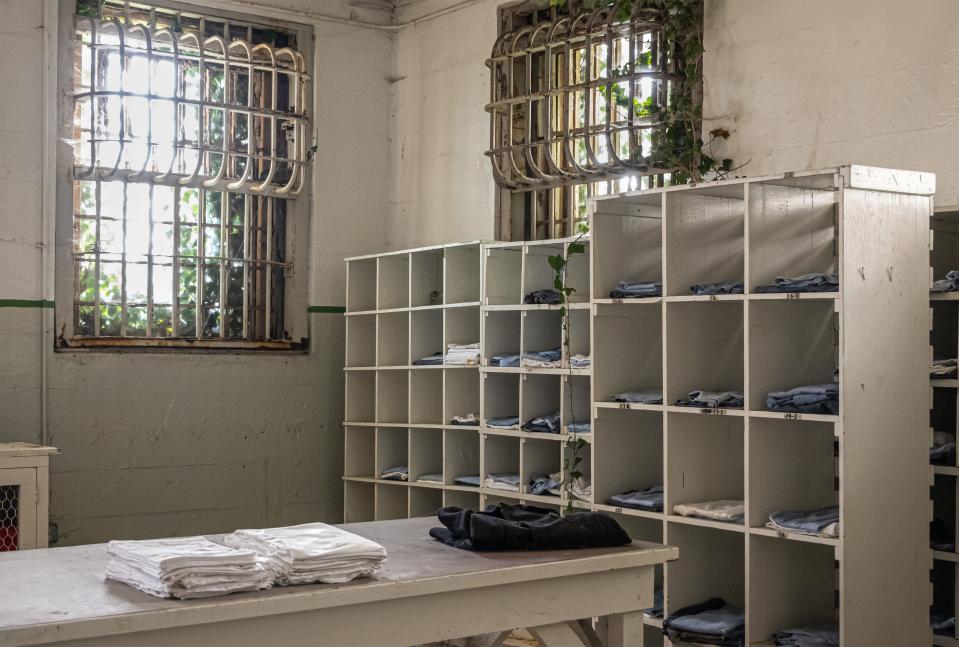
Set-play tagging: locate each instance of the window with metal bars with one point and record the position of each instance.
(191, 140)
(576, 94)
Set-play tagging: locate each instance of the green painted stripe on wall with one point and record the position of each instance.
(25, 303)
(326, 309)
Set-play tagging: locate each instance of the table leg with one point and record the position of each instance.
(625, 630)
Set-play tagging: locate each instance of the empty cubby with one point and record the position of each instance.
(500, 455)
(392, 396)
(705, 237)
(945, 329)
(943, 532)
(712, 565)
(943, 415)
(426, 278)
(629, 349)
(626, 242)
(461, 454)
(392, 501)
(540, 458)
(462, 325)
(704, 348)
(425, 501)
(463, 276)
(393, 282)
(705, 458)
(461, 499)
(426, 333)
(361, 285)
(392, 448)
(361, 340)
(500, 395)
(426, 396)
(504, 275)
(791, 467)
(361, 396)
(360, 452)
(628, 445)
(426, 452)
(393, 339)
(502, 332)
(461, 392)
(943, 577)
(944, 256)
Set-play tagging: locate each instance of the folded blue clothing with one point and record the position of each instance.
(817, 636)
(436, 358)
(579, 427)
(542, 356)
(726, 287)
(431, 478)
(645, 396)
(948, 284)
(942, 620)
(650, 499)
(541, 484)
(713, 399)
(809, 522)
(503, 422)
(812, 282)
(548, 424)
(472, 481)
(944, 454)
(506, 360)
(548, 297)
(637, 289)
(713, 622)
(813, 398)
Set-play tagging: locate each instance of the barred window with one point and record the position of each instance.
(191, 141)
(575, 97)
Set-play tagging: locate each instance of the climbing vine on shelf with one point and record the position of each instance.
(573, 459)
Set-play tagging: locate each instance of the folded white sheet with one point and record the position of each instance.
(720, 510)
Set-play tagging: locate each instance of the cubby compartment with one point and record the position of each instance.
(426, 397)
(792, 230)
(463, 274)
(538, 274)
(426, 453)
(392, 448)
(791, 467)
(626, 240)
(943, 576)
(361, 285)
(540, 458)
(393, 339)
(629, 349)
(392, 501)
(542, 330)
(579, 335)
(500, 395)
(504, 275)
(392, 396)
(945, 330)
(577, 272)
(461, 454)
(361, 340)
(705, 237)
(540, 396)
(942, 532)
(575, 403)
(943, 415)
(945, 244)
(500, 456)
(462, 393)
(360, 452)
(791, 585)
(704, 348)
(393, 282)
(426, 278)
(426, 334)
(502, 332)
(425, 501)
(577, 456)
(642, 529)
(712, 565)
(704, 458)
(358, 501)
(791, 343)
(462, 325)
(360, 396)
(628, 450)
(461, 499)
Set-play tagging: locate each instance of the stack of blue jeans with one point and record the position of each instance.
(814, 398)
(948, 284)
(548, 424)
(637, 289)
(725, 287)
(650, 499)
(821, 636)
(812, 282)
(503, 422)
(713, 399)
(712, 622)
(579, 427)
(645, 396)
(821, 522)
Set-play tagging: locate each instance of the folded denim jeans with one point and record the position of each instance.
(548, 424)
(713, 399)
(813, 398)
(645, 396)
(542, 358)
(820, 522)
(503, 422)
(817, 636)
(543, 484)
(713, 622)
(650, 499)
(546, 297)
(432, 360)
(580, 361)
(812, 282)
(725, 287)
(636, 290)
(948, 284)
(579, 427)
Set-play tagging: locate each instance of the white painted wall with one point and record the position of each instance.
(158, 445)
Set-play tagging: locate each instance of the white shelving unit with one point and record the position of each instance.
(403, 306)
(944, 343)
(868, 225)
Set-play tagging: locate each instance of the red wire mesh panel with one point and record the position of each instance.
(9, 508)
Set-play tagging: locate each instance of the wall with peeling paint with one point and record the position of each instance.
(173, 444)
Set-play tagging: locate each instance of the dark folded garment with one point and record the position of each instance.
(942, 621)
(522, 527)
(547, 297)
(727, 287)
(637, 289)
(812, 282)
(432, 360)
(812, 398)
(547, 424)
(821, 636)
(712, 622)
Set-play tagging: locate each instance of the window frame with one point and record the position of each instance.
(298, 208)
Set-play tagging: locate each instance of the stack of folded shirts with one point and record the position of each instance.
(399, 473)
(812, 282)
(432, 360)
(503, 422)
(645, 396)
(712, 622)
(637, 289)
(817, 636)
(725, 287)
(579, 427)
(948, 284)
(503, 482)
(814, 398)
(548, 297)
(580, 361)
(943, 368)
(542, 358)
(713, 399)
(548, 424)
(943, 450)
(650, 499)
(719, 510)
(542, 484)
(505, 360)
(821, 522)
(465, 354)
(468, 420)
(581, 488)
(312, 552)
(185, 567)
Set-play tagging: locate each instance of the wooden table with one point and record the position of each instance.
(426, 591)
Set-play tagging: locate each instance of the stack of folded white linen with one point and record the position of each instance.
(312, 552)
(185, 567)
(468, 354)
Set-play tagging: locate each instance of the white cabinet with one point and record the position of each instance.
(24, 495)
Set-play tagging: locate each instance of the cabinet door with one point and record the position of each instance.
(18, 509)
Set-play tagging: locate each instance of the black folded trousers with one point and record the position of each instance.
(523, 527)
